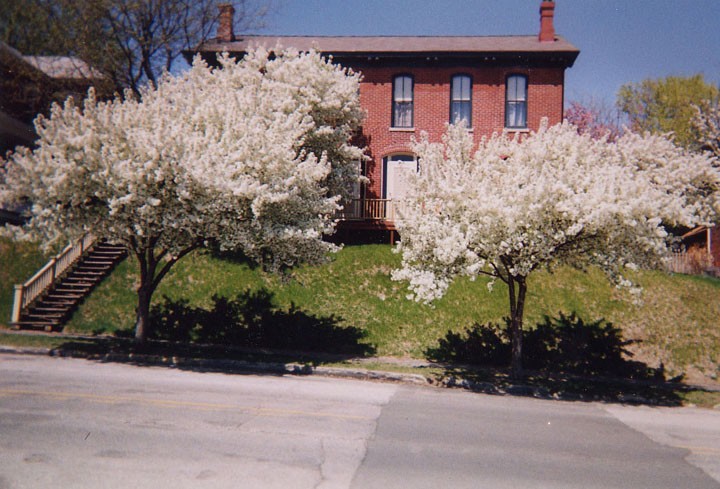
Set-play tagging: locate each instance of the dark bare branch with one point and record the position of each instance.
(131, 41)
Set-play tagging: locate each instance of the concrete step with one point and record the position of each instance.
(55, 302)
(44, 317)
(104, 250)
(69, 292)
(86, 273)
(77, 282)
(47, 326)
(42, 309)
(75, 286)
(62, 295)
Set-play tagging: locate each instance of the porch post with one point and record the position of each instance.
(17, 304)
(709, 246)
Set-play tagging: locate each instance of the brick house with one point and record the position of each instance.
(412, 84)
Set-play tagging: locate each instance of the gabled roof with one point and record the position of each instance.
(57, 67)
(64, 67)
(28, 84)
(404, 46)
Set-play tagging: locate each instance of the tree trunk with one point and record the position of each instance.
(150, 277)
(147, 263)
(142, 322)
(517, 289)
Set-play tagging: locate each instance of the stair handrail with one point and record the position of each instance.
(37, 284)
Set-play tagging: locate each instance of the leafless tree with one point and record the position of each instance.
(132, 42)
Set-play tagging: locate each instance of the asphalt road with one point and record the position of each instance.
(67, 423)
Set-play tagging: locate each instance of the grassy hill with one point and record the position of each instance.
(18, 262)
(677, 324)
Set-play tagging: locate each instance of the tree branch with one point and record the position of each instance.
(166, 268)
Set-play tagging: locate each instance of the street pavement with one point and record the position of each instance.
(69, 423)
(428, 439)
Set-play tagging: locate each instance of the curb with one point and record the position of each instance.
(11, 350)
(298, 369)
(279, 368)
(220, 365)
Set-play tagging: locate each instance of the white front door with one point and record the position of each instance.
(397, 170)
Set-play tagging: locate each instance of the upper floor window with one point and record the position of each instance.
(402, 103)
(461, 100)
(516, 102)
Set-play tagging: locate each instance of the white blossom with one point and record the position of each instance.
(258, 146)
(551, 197)
(544, 199)
(707, 125)
(253, 155)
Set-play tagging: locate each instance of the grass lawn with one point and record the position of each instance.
(18, 262)
(677, 324)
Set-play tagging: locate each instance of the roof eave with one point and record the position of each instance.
(566, 56)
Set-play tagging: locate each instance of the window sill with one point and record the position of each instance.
(402, 129)
(516, 129)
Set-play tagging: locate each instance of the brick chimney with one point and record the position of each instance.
(547, 29)
(225, 26)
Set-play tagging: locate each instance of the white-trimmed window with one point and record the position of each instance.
(461, 99)
(402, 101)
(516, 102)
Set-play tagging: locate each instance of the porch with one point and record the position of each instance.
(386, 210)
(699, 252)
(368, 215)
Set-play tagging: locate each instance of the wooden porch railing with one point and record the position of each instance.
(693, 261)
(44, 278)
(371, 209)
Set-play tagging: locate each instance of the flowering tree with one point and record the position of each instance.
(552, 197)
(666, 105)
(707, 124)
(594, 118)
(252, 156)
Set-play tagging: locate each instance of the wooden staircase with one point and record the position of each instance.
(50, 297)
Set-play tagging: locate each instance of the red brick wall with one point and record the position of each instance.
(432, 106)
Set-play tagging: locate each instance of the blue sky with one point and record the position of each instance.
(620, 41)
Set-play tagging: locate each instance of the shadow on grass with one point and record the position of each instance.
(564, 357)
(245, 334)
(235, 257)
(252, 320)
